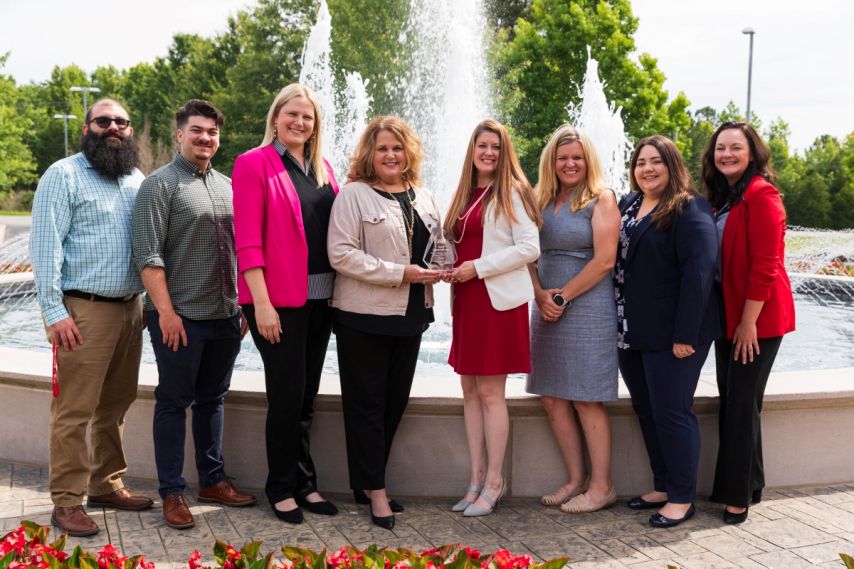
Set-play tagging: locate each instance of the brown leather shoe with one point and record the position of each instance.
(121, 499)
(176, 512)
(224, 492)
(74, 521)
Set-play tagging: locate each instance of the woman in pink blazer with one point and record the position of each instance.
(758, 304)
(283, 195)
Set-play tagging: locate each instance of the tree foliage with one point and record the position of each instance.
(537, 50)
(540, 66)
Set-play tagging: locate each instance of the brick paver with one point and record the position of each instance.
(792, 527)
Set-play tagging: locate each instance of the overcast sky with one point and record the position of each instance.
(803, 52)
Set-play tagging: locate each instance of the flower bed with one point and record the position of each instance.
(28, 547)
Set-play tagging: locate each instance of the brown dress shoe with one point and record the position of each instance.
(224, 492)
(121, 499)
(176, 512)
(74, 521)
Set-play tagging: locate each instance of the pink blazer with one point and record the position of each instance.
(268, 227)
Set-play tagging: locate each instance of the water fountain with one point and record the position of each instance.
(345, 112)
(603, 124)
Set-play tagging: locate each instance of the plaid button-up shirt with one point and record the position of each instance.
(183, 221)
(81, 234)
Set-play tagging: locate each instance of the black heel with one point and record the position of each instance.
(731, 518)
(385, 522)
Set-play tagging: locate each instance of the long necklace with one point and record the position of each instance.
(408, 222)
(465, 216)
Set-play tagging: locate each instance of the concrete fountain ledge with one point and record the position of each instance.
(807, 421)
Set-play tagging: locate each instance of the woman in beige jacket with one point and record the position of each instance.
(378, 234)
(494, 221)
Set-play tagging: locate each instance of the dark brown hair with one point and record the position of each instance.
(679, 190)
(715, 185)
(198, 108)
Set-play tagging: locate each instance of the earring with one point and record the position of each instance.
(275, 131)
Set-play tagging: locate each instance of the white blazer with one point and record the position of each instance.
(507, 250)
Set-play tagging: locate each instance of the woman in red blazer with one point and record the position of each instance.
(758, 304)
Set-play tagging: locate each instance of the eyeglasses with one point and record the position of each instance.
(104, 122)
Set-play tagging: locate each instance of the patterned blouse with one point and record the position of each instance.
(628, 225)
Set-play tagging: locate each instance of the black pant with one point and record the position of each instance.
(376, 377)
(739, 473)
(292, 371)
(662, 388)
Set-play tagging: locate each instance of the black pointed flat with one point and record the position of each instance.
(656, 520)
(638, 503)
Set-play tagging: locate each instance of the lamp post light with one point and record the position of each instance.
(65, 119)
(750, 32)
(85, 91)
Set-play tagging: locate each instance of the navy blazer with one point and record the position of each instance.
(669, 280)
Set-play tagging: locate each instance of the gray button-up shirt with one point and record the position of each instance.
(183, 221)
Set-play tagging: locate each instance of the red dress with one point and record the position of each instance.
(485, 341)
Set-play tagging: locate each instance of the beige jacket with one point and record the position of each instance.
(507, 250)
(368, 248)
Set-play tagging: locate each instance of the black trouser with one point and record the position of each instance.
(292, 371)
(662, 387)
(739, 474)
(376, 377)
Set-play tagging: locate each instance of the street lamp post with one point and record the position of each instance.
(65, 119)
(750, 32)
(85, 91)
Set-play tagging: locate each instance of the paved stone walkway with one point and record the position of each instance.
(790, 528)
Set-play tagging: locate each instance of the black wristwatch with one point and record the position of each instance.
(561, 301)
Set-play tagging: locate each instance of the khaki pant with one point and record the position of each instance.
(97, 384)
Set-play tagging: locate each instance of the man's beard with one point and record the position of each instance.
(110, 158)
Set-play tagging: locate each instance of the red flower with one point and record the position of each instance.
(473, 553)
(194, 560)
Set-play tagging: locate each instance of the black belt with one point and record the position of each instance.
(98, 297)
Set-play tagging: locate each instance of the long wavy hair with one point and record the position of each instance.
(548, 185)
(509, 177)
(314, 144)
(679, 190)
(362, 160)
(715, 184)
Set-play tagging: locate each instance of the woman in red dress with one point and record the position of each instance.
(494, 221)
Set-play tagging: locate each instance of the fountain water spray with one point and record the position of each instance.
(344, 112)
(602, 123)
(446, 92)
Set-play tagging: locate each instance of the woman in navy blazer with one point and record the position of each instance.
(668, 316)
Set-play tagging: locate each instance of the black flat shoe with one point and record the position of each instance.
(656, 520)
(732, 519)
(291, 516)
(323, 507)
(385, 522)
(360, 498)
(638, 503)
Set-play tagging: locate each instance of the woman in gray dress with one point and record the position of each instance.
(574, 326)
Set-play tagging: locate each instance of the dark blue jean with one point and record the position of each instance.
(198, 375)
(662, 388)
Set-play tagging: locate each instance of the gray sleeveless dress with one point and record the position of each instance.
(574, 358)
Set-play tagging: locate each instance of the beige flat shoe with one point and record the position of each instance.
(583, 503)
(563, 495)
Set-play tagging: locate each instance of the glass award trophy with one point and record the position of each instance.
(441, 253)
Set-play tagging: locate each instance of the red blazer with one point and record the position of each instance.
(752, 261)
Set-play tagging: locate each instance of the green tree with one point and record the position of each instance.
(541, 65)
(17, 164)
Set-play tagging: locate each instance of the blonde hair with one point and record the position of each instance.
(548, 185)
(509, 177)
(315, 142)
(362, 160)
